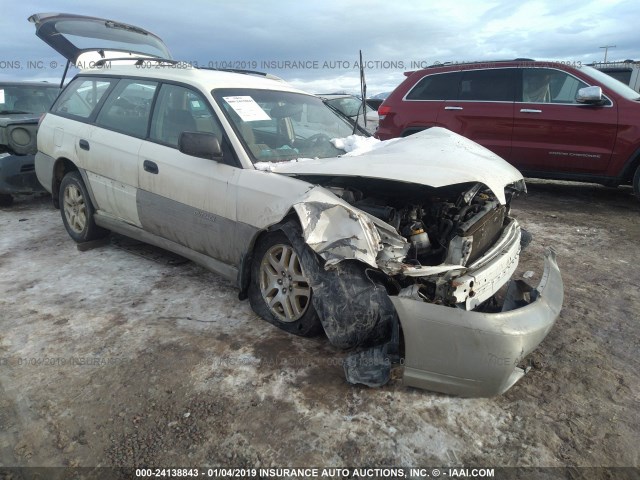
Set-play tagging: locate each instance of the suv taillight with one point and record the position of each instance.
(383, 110)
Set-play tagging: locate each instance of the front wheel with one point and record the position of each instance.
(280, 291)
(77, 211)
(636, 183)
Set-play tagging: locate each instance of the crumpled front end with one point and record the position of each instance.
(471, 353)
(443, 258)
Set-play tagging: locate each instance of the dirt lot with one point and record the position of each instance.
(130, 356)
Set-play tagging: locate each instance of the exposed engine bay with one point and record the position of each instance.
(445, 231)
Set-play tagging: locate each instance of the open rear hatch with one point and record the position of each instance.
(81, 39)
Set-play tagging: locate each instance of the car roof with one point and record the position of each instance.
(204, 78)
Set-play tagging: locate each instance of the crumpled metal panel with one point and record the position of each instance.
(474, 354)
(354, 310)
(435, 157)
(337, 232)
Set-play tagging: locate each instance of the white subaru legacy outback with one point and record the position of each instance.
(401, 251)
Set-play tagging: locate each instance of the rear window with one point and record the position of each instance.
(128, 107)
(441, 86)
(81, 97)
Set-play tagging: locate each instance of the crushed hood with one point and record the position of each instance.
(435, 157)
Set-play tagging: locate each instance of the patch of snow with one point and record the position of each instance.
(357, 145)
(270, 166)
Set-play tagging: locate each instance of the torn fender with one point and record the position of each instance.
(336, 231)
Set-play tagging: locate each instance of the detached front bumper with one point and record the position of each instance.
(475, 354)
(17, 174)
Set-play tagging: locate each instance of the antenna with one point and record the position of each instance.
(363, 95)
(606, 50)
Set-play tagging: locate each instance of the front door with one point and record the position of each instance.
(182, 198)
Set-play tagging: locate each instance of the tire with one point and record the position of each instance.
(279, 290)
(636, 183)
(77, 211)
(6, 200)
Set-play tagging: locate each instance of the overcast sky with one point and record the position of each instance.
(323, 38)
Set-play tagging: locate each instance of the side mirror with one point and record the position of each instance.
(590, 95)
(202, 145)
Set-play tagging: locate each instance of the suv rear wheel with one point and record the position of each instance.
(77, 211)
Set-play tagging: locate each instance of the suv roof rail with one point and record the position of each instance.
(473, 62)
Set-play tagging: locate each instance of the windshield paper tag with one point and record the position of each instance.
(247, 108)
(1, 96)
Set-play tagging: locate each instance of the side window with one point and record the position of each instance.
(179, 109)
(546, 85)
(441, 86)
(491, 85)
(81, 97)
(128, 107)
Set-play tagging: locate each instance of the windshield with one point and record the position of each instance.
(277, 126)
(611, 83)
(350, 106)
(26, 98)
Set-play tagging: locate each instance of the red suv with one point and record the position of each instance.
(549, 119)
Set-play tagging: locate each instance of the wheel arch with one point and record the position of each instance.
(630, 167)
(61, 167)
(244, 270)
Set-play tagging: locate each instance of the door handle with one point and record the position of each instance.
(84, 144)
(150, 166)
(453, 108)
(530, 110)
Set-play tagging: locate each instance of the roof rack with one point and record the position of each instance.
(448, 64)
(171, 61)
(244, 72)
(136, 60)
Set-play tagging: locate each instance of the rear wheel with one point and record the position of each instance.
(77, 211)
(636, 183)
(280, 291)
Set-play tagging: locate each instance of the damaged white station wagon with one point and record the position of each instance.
(394, 249)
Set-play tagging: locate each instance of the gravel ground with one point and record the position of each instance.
(125, 355)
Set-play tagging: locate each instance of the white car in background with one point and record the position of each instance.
(397, 250)
(351, 107)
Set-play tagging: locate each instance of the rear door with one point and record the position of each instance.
(422, 104)
(114, 144)
(483, 108)
(554, 133)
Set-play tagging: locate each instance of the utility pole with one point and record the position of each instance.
(606, 49)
